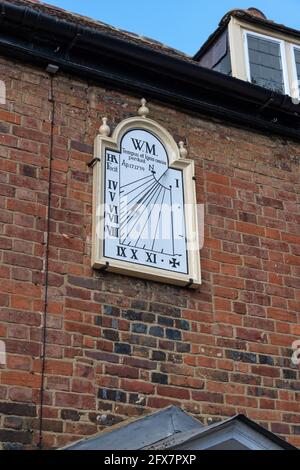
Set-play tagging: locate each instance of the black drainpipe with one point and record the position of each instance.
(52, 70)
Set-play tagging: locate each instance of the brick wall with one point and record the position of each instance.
(117, 346)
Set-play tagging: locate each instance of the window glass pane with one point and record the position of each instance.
(265, 63)
(297, 59)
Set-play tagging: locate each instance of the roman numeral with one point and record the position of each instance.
(114, 219)
(151, 258)
(134, 252)
(113, 209)
(121, 251)
(113, 231)
(112, 184)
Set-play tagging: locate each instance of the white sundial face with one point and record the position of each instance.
(144, 220)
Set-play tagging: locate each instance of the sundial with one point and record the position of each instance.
(144, 203)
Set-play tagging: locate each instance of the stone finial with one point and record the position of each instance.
(104, 129)
(182, 150)
(143, 111)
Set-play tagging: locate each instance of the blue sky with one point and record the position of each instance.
(183, 24)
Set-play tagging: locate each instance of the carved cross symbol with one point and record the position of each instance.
(174, 262)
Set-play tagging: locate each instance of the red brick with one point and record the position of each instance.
(158, 402)
(20, 394)
(9, 117)
(73, 400)
(208, 396)
(21, 378)
(58, 368)
(293, 260)
(226, 293)
(137, 386)
(83, 386)
(252, 229)
(265, 371)
(250, 335)
(18, 259)
(228, 281)
(226, 258)
(173, 392)
(22, 303)
(19, 362)
(122, 371)
(216, 178)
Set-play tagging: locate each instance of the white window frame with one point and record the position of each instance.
(295, 47)
(282, 52)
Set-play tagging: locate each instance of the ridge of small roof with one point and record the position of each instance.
(246, 13)
(86, 21)
(189, 435)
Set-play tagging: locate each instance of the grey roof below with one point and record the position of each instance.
(185, 437)
(142, 432)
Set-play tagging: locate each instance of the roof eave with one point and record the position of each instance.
(34, 37)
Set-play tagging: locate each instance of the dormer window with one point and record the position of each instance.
(250, 47)
(265, 62)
